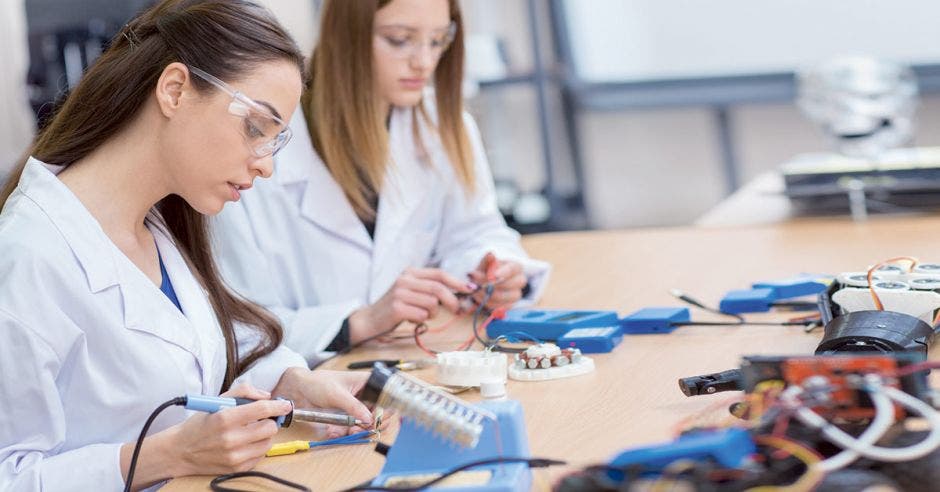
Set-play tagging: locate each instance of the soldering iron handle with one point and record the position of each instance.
(212, 404)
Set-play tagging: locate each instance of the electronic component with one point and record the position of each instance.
(707, 384)
(548, 324)
(547, 361)
(731, 448)
(747, 301)
(654, 320)
(792, 287)
(470, 368)
(418, 456)
(876, 331)
(442, 414)
(915, 292)
(592, 340)
(835, 374)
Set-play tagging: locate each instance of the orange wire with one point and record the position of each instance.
(445, 325)
(871, 272)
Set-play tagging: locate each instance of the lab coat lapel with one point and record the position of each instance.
(104, 265)
(197, 311)
(322, 201)
(405, 188)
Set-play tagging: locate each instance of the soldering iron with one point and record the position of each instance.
(212, 404)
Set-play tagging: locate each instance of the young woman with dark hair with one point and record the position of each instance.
(110, 300)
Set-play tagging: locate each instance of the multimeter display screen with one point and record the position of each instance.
(568, 317)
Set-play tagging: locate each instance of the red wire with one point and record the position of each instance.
(871, 272)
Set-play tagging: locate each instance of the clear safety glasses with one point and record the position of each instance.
(264, 133)
(405, 42)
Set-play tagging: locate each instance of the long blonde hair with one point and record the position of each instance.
(342, 113)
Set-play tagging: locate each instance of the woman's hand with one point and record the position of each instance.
(415, 296)
(506, 276)
(230, 440)
(331, 390)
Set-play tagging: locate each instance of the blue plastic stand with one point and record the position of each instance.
(747, 301)
(729, 447)
(792, 287)
(418, 452)
(549, 324)
(653, 320)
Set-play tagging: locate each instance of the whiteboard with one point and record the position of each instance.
(641, 40)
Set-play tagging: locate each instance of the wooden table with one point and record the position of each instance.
(632, 398)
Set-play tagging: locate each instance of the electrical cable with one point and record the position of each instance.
(884, 418)
(353, 346)
(178, 401)
(532, 462)
(745, 323)
(808, 480)
(740, 319)
(216, 482)
(840, 438)
(871, 272)
(682, 296)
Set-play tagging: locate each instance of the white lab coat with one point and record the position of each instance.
(89, 346)
(294, 244)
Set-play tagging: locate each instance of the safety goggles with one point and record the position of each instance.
(265, 133)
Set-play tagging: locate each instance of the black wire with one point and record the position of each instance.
(490, 344)
(179, 400)
(745, 323)
(691, 300)
(353, 346)
(740, 319)
(215, 484)
(487, 293)
(532, 462)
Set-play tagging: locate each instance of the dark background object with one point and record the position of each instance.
(66, 36)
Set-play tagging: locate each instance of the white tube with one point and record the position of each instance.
(884, 417)
(839, 437)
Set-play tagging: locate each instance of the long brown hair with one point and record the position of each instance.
(341, 108)
(223, 37)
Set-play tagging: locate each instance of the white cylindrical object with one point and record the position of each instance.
(463, 368)
(856, 279)
(493, 388)
(924, 283)
(895, 285)
(929, 268)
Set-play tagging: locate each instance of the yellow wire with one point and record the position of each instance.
(672, 470)
(808, 480)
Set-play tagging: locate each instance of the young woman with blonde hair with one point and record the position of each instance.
(383, 208)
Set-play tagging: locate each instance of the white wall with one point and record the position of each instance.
(649, 39)
(16, 118)
(649, 167)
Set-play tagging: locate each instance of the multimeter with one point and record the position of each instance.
(549, 324)
(591, 340)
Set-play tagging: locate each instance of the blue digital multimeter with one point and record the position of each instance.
(591, 340)
(549, 324)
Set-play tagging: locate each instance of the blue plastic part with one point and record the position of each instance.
(212, 404)
(208, 404)
(592, 340)
(793, 287)
(731, 448)
(747, 301)
(549, 324)
(417, 452)
(654, 320)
